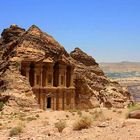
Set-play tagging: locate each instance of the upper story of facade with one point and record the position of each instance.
(46, 73)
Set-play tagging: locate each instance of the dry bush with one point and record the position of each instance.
(134, 107)
(60, 125)
(67, 116)
(1, 106)
(83, 123)
(15, 131)
(37, 116)
(79, 113)
(31, 118)
(22, 116)
(73, 110)
(98, 115)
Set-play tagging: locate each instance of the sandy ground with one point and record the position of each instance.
(40, 125)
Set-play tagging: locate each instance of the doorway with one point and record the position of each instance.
(48, 102)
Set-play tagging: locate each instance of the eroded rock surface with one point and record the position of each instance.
(93, 89)
(134, 114)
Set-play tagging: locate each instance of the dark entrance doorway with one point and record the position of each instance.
(48, 102)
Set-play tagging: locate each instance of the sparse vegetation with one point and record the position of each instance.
(1, 113)
(83, 123)
(132, 108)
(98, 115)
(79, 113)
(15, 131)
(31, 118)
(60, 125)
(37, 115)
(1, 106)
(67, 116)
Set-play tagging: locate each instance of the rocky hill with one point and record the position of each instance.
(121, 67)
(93, 88)
(125, 73)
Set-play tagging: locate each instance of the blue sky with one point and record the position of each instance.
(109, 30)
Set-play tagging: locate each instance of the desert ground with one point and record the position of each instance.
(100, 124)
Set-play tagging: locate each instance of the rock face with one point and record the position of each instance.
(92, 87)
(134, 114)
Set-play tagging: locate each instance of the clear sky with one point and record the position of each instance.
(109, 30)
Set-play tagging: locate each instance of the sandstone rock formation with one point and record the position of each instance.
(92, 87)
(134, 114)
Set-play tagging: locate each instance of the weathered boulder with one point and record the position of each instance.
(134, 114)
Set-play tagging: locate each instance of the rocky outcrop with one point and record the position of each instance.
(12, 84)
(92, 87)
(134, 114)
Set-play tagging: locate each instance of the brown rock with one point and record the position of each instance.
(92, 86)
(134, 114)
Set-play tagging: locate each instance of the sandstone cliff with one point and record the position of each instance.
(17, 44)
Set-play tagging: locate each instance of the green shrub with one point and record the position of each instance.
(132, 108)
(98, 115)
(60, 125)
(83, 123)
(31, 118)
(37, 115)
(15, 131)
(1, 106)
(79, 113)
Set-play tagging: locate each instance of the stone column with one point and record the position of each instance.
(72, 78)
(52, 74)
(54, 101)
(65, 95)
(60, 101)
(72, 99)
(65, 77)
(57, 100)
(59, 80)
(41, 101)
(46, 79)
(41, 70)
